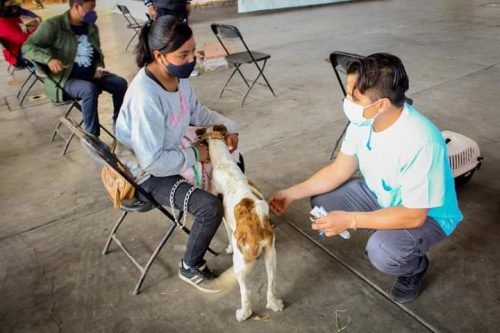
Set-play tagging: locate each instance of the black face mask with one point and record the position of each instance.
(11, 11)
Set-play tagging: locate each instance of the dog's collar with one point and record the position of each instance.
(213, 136)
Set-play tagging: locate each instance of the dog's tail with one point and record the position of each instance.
(253, 230)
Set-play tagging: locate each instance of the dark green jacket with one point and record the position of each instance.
(55, 39)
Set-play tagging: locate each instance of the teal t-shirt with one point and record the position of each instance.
(407, 165)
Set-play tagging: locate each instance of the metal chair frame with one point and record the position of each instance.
(12, 69)
(102, 153)
(42, 73)
(238, 59)
(22, 96)
(131, 23)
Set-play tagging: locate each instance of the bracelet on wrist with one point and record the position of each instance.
(354, 221)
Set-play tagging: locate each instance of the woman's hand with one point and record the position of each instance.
(279, 202)
(232, 141)
(203, 155)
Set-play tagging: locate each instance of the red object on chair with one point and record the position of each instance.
(13, 36)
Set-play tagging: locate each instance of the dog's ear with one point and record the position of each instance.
(220, 128)
(201, 131)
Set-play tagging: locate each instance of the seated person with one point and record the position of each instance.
(69, 45)
(13, 32)
(157, 110)
(178, 8)
(407, 193)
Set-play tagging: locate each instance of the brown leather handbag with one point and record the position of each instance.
(117, 187)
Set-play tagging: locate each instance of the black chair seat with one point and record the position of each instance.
(134, 26)
(135, 205)
(245, 58)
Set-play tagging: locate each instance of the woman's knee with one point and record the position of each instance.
(210, 207)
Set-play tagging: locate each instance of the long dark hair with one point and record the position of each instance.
(165, 34)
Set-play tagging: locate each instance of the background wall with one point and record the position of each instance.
(255, 5)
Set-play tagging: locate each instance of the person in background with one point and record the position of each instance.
(69, 45)
(178, 8)
(13, 32)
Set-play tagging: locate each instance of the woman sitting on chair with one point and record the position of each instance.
(158, 108)
(13, 32)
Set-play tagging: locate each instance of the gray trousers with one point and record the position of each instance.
(397, 251)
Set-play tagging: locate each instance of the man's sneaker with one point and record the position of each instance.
(201, 277)
(407, 288)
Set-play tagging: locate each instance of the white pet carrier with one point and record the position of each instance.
(464, 154)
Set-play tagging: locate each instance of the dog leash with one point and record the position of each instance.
(185, 203)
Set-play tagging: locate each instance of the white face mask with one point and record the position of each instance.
(354, 113)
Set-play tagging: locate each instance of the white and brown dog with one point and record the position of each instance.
(246, 217)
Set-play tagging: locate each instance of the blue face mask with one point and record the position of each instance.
(90, 17)
(182, 71)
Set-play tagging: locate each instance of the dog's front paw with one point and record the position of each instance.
(243, 314)
(229, 249)
(275, 304)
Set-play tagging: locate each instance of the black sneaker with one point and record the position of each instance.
(201, 277)
(407, 288)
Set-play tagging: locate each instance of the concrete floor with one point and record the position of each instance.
(55, 216)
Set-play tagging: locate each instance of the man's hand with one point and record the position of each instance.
(152, 12)
(56, 66)
(100, 72)
(232, 141)
(335, 222)
(203, 155)
(279, 202)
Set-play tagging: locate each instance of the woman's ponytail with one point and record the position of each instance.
(143, 54)
(165, 34)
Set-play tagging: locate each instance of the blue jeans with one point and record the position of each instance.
(206, 208)
(88, 93)
(396, 251)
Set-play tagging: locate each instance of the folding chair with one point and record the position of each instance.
(340, 61)
(226, 32)
(131, 23)
(102, 154)
(42, 72)
(31, 77)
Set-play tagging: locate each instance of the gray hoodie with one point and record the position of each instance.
(152, 122)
